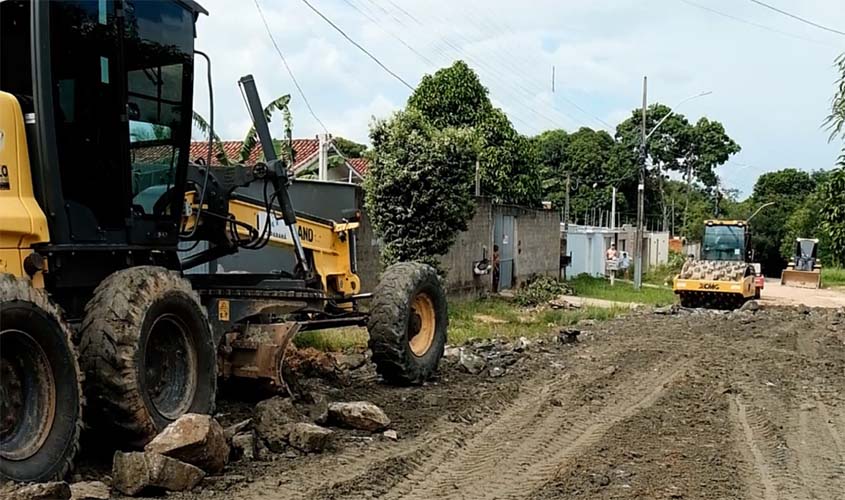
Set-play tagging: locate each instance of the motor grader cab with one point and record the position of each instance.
(724, 276)
(96, 196)
(804, 269)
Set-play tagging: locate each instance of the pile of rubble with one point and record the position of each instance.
(196, 446)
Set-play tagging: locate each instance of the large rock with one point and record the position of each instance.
(132, 473)
(274, 419)
(195, 439)
(751, 305)
(243, 445)
(89, 490)
(359, 415)
(309, 438)
(44, 491)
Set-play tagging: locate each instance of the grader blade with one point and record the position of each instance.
(259, 353)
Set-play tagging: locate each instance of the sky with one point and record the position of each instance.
(771, 77)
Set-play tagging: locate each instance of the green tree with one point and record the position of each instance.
(789, 189)
(419, 188)
(455, 97)
(692, 151)
(452, 97)
(349, 149)
(832, 212)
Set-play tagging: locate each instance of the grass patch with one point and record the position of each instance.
(599, 288)
(833, 277)
(473, 319)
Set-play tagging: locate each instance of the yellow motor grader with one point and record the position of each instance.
(725, 276)
(97, 197)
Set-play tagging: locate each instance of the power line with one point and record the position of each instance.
(287, 67)
(793, 16)
(356, 44)
(391, 34)
(752, 23)
(504, 78)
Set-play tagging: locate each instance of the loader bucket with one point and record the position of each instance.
(801, 279)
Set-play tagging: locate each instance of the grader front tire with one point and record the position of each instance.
(148, 353)
(40, 386)
(408, 322)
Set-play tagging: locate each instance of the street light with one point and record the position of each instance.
(638, 269)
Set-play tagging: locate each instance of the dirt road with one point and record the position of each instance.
(698, 405)
(775, 294)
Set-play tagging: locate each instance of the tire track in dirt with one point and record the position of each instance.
(764, 486)
(774, 469)
(509, 459)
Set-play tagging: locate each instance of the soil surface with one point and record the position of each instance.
(708, 405)
(776, 294)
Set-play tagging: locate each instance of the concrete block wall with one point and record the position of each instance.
(468, 249)
(538, 243)
(538, 248)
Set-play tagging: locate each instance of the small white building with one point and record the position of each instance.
(587, 246)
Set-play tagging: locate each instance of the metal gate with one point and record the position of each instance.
(503, 236)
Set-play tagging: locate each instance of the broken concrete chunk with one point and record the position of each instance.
(318, 408)
(359, 415)
(309, 438)
(751, 305)
(243, 445)
(194, 439)
(58, 490)
(391, 434)
(238, 428)
(134, 472)
(471, 363)
(89, 490)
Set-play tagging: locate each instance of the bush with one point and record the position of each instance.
(419, 189)
(541, 290)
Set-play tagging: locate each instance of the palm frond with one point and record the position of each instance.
(251, 139)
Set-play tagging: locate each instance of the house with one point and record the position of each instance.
(307, 154)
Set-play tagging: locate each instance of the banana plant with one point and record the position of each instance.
(251, 139)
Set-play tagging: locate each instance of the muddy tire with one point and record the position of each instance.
(40, 386)
(147, 352)
(408, 322)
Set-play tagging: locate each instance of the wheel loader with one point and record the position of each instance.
(805, 269)
(97, 196)
(724, 277)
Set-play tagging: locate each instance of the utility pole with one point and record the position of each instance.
(613, 210)
(638, 270)
(553, 79)
(566, 206)
(323, 170)
(477, 178)
(673, 217)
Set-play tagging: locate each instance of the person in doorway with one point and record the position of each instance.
(612, 254)
(495, 268)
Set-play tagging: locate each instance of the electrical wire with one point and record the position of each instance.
(389, 33)
(356, 44)
(288, 68)
(505, 79)
(208, 153)
(793, 16)
(752, 23)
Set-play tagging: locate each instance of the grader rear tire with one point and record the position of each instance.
(40, 386)
(148, 353)
(408, 322)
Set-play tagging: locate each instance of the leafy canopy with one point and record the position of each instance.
(455, 97)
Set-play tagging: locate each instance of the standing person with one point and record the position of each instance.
(495, 268)
(612, 254)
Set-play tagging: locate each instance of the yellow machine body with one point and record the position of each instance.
(22, 222)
